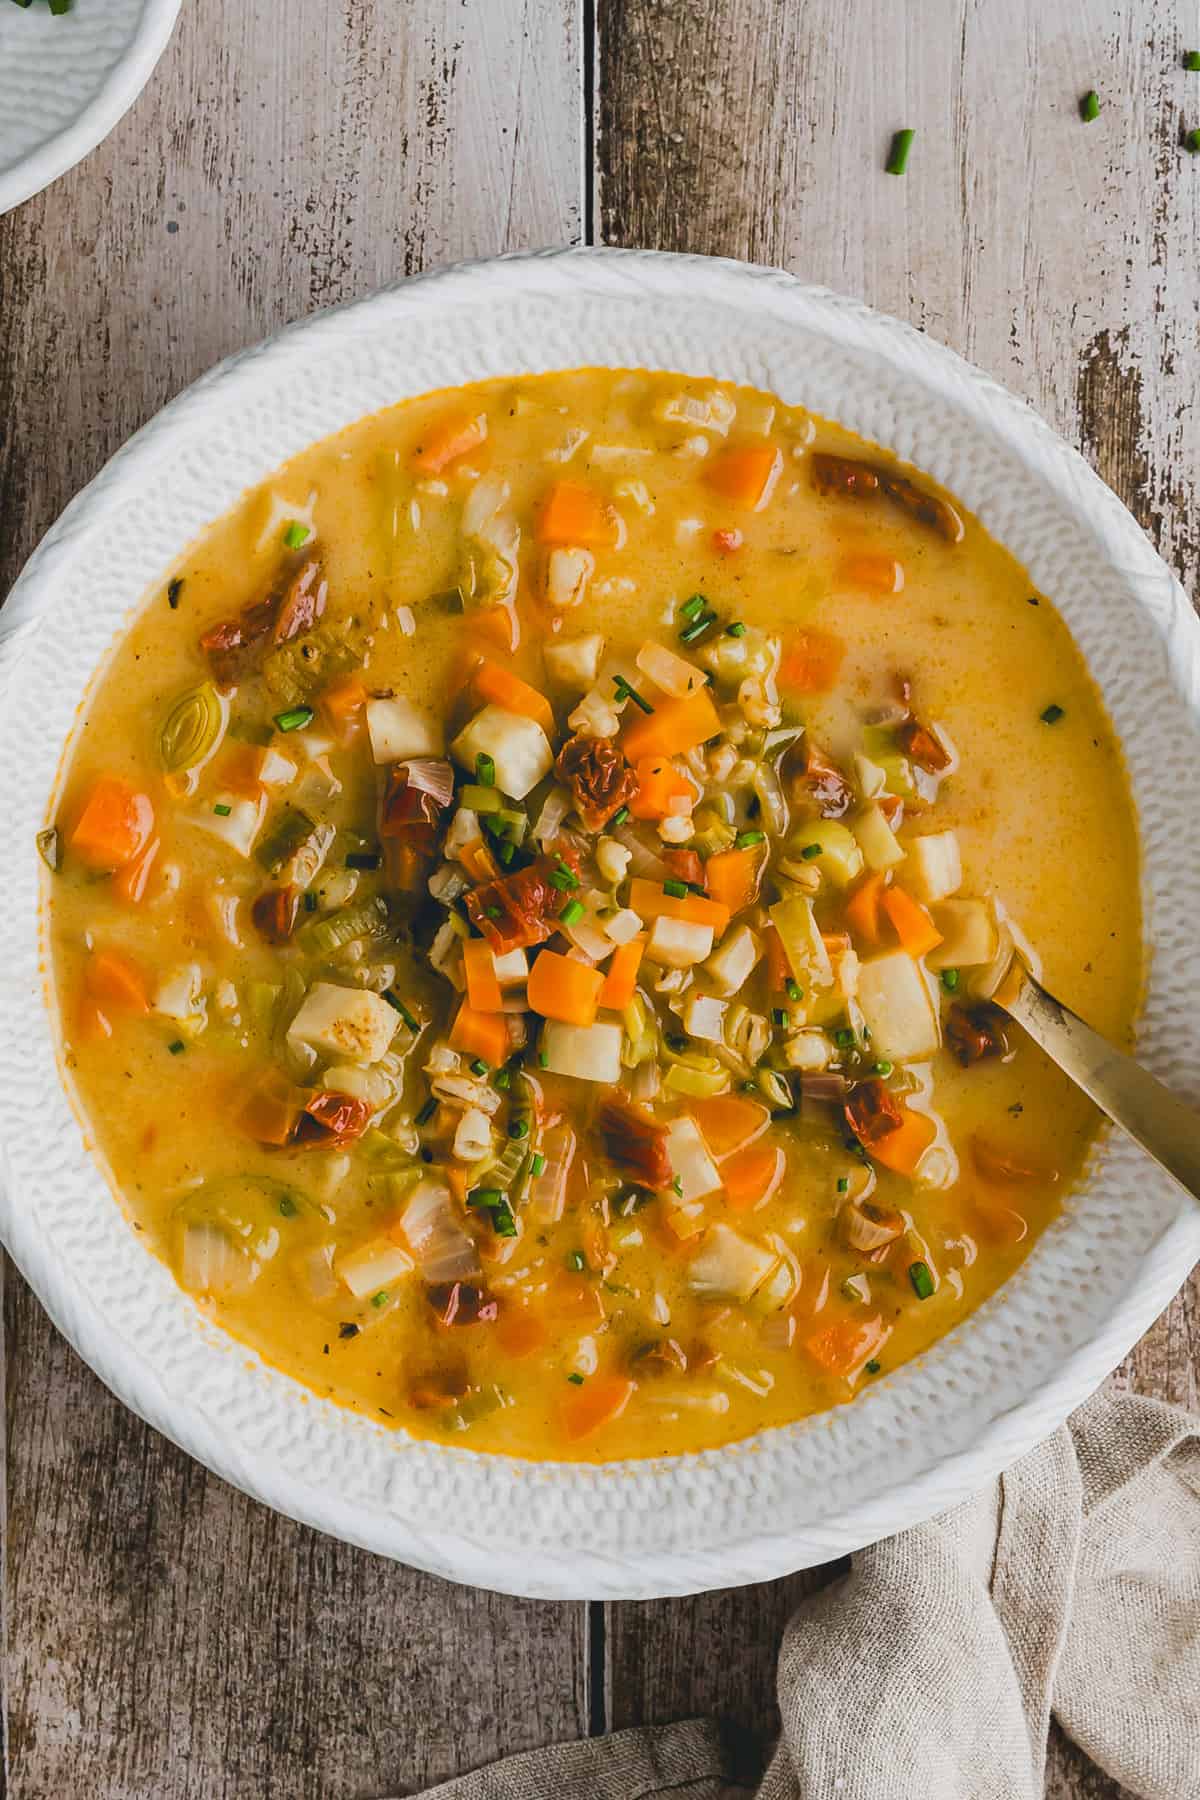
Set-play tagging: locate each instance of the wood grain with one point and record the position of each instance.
(1057, 255)
(167, 1638)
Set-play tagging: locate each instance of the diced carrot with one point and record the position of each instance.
(843, 1348)
(903, 1148)
(499, 625)
(598, 1402)
(445, 442)
(659, 782)
(519, 1331)
(735, 876)
(573, 1297)
(861, 911)
(673, 728)
(114, 826)
(620, 983)
(271, 1110)
(650, 902)
(874, 574)
(480, 1034)
(457, 1179)
(562, 988)
(751, 1176)
(779, 970)
(747, 475)
(344, 704)
(578, 515)
(129, 883)
(812, 662)
(479, 964)
(910, 921)
(729, 1123)
(727, 542)
(479, 862)
(116, 983)
(497, 684)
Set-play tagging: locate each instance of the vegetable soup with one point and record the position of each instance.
(527, 900)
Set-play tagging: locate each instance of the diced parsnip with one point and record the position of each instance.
(969, 935)
(472, 1135)
(237, 824)
(728, 1266)
(575, 661)
(372, 1266)
(704, 1017)
(846, 966)
(894, 997)
(713, 411)
(622, 927)
(879, 844)
(179, 996)
(695, 1172)
(568, 572)
(803, 945)
(870, 777)
(397, 730)
(934, 866)
(729, 968)
(667, 671)
(517, 745)
(839, 856)
(588, 1052)
(512, 968)
(808, 1051)
(678, 944)
(464, 830)
(350, 1023)
(275, 769)
(588, 934)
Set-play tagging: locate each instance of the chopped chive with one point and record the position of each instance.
(537, 1163)
(883, 1068)
(746, 840)
(922, 1280)
(409, 1019)
(50, 848)
(1191, 141)
(491, 912)
(779, 1016)
(794, 990)
(543, 1059)
(381, 1298)
(677, 1186)
(295, 535)
(810, 851)
(696, 630)
(563, 880)
(287, 1207)
(844, 1037)
(176, 1049)
(502, 1079)
(1089, 106)
(310, 903)
(503, 1223)
(873, 1367)
(575, 1261)
(620, 816)
(1052, 714)
(676, 1041)
(364, 859)
(506, 852)
(576, 1380)
(295, 718)
(692, 607)
(571, 912)
(1191, 61)
(485, 769)
(222, 809)
(347, 1331)
(676, 889)
(518, 1128)
(488, 1197)
(625, 692)
(478, 1066)
(174, 589)
(897, 160)
(427, 1111)
(737, 629)
(843, 1185)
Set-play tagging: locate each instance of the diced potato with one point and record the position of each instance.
(729, 968)
(235, 822)
(667, 671)
(897, 1007)
(802, 942)
(729, 1266)
(879, 844)
(677, 943)
(518, 746)
(695, 1172)
(588, 1052)
(840, 857)
(275, 769)
(575, 661)
(568, 572)
(934, 866)
(179, 995)
(511, 968)
(704, 1017)
(349, 1023)
(372, 1266)
(969, 935)
(870, 777)
(472, 1135)
(398, 730)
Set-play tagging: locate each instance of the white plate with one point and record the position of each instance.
(64, 82)
(921, 1437)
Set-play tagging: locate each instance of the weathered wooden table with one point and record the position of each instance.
(168, 1639)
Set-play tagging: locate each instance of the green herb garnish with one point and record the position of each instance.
(950, 980)
(426, 1112)
(737, 629)
(295, 535)
(810, 851)
(1191, 61)
(395, 1001)
(844, 1037)
(693, 607)
(625, 692)
(295, 718)
(477, 1066)
(897, 160)
(537, 1163)
(746, 840)
(1052, 714)
(1191, 141)
(779, 1017)
(518, 1128)
(620, 816)
(676, 889)
(1089, 106)
(883, 1068)
(222, 810)
(381, 1298)
(843, 1184)
(575, 1380)
(794, 990)
(575, 1261)
(174, 589)
(696, 630)
(872, 1367)
(572, 912)
(502, 1079)
(485, 769)
(177, 1048)
(922, 1280)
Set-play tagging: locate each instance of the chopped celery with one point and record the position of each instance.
(291, 831)
(897, 775)
(641, 1035)
(879, 844)
(803, 945)
(364, 919)
(480, 799)
(472, 1407)
(699, 1077)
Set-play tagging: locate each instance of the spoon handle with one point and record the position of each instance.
(1154, 1117)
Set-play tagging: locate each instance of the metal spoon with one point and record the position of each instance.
(1166, 1127)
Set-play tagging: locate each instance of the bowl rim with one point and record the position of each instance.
(57, 154)
(585, 1571)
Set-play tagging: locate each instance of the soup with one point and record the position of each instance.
(527, 898)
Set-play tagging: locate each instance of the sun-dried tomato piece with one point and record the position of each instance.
(234, 647)
(925, 508)
(685, 865)
(843, 475)
(432, 1388)
(973, 1032)
(664, 1356)
(815, 783)
(412, 808)
(275, 912)
(302, 604)
(598, 777)
(872, 1112)
(522, 909)
(331, 1118)
(919, 743)
(462, 1303)
(633, 1141)
(869, 481)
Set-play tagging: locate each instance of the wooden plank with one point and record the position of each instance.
(1057, 255)
(166, 1636)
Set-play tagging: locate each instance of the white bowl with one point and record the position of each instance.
(922, 1437)
(65, 82)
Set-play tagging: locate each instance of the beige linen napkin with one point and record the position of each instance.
(930, 1672)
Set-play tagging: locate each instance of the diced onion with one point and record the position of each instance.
(442, 1249)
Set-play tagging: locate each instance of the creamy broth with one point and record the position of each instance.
(770, 1204)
